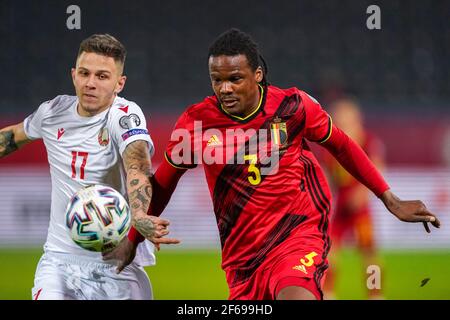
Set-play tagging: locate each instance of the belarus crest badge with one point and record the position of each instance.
(103, 137)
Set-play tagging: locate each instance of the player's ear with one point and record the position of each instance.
(120, 84)
(72, 71)
(259, 75)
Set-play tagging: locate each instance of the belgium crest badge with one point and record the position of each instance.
(279, 133)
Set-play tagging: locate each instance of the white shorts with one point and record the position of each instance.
(62, 276)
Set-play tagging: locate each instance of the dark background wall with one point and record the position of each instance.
(323, 47)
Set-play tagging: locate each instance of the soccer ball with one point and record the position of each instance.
(98, 218)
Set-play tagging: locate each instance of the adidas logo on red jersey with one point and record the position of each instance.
(214, 141)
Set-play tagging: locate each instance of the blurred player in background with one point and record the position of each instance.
(95, 137)
(351, 212)
(273, 226)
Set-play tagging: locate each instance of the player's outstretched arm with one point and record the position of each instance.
(409, 210)
(350, 155)
(164, 182)
(137, 163)
(12, 138)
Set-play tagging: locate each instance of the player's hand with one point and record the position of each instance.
(124, 254)
(409, 211)
(154, 229)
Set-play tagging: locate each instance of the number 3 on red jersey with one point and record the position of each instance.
(253, 169)
(84, 156)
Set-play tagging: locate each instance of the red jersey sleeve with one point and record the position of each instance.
(318, 123)
(180, 150)
(352, 157)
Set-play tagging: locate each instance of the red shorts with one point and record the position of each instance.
(304, 267)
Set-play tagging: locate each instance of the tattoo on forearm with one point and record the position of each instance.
(137, 158)
(140, 198)
(135, 205)
(138, 167)
(7, 143)
(141, 167)
(148, 190)
(145, 227)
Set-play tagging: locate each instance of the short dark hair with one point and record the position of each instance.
(234, 42)
(104, 44)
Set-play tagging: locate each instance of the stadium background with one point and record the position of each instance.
(399, 73)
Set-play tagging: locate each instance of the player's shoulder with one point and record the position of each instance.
(294, 99)
(274, 90)
(60, 102)
(201, 109)
(304, 96)
(122, 106)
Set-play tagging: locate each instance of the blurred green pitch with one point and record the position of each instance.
(197, 274)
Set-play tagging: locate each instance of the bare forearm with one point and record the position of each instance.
(389, 199)
(7, 142)
(139, 193)
(140, 196)
(12, 138)
(138, 168)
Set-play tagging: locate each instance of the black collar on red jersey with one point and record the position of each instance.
(251, 116)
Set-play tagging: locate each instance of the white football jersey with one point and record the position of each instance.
(83, 151)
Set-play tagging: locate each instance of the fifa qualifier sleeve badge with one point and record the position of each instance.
(130, 122)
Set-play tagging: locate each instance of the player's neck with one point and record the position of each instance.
(85, 112)
(255, 104)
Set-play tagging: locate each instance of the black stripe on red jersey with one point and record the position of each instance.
(322, 208)
(323, 225)
(179, 166)
(328, 134)
(277, 235)
(253, 116)
(322, 204)
(232, 190)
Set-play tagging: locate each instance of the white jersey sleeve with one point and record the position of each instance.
(128, 124)
(33, 123)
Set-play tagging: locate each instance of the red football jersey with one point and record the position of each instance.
(262, 208)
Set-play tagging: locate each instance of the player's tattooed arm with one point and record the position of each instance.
(7, 143)
(136, 158)
(11, 139)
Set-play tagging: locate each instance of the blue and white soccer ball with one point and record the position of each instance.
(98, 218)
